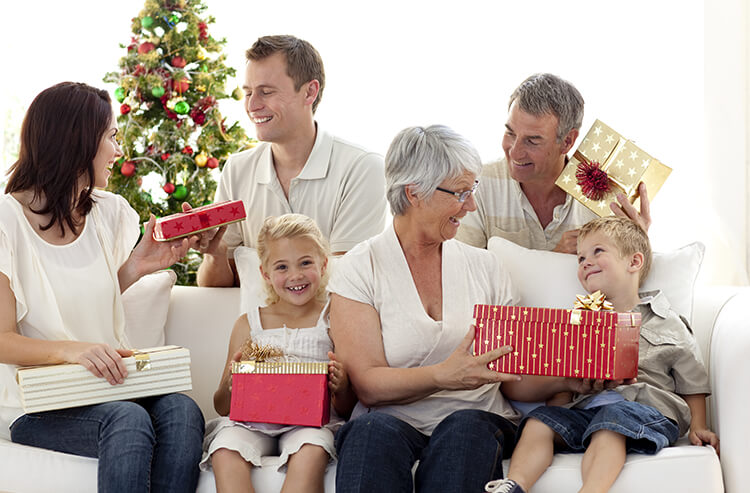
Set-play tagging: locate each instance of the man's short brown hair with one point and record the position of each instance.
(303, 62)
(628, 237)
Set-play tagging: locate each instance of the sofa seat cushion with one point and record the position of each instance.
(680, 468)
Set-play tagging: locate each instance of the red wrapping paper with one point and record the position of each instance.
(284, 398)
(199, 219)
(559, 342)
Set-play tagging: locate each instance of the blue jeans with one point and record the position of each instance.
(377, 452)
(150, 444)
(646, 429)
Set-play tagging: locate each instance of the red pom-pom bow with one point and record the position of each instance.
(593, 180)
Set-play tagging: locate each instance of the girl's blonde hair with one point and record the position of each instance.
(292, 226)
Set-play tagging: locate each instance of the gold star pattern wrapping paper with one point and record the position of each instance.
(625, 163)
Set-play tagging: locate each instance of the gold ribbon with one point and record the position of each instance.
(594, 302)
(280, 367)
(142, 361)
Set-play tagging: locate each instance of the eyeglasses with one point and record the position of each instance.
(461, 196)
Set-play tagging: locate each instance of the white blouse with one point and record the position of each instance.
(65, 292)
(376, 272)
(303, 344)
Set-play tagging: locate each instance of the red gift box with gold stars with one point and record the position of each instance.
(290, 393)
(199, 219)
(559, 342)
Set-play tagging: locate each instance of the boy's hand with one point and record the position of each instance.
(591, 386)
(337, 377)
(704, 436)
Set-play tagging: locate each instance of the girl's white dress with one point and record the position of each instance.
(264, 444)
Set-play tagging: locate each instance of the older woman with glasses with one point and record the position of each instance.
(401, 312)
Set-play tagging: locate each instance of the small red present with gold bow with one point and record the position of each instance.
(290, 393)
(606, 164)
(199, 219)
(268, 389)
(589, 341)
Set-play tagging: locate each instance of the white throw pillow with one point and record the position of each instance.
(146, 305)
(548, 279)
(252, 291)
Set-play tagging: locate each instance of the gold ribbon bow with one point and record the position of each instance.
(595, 302)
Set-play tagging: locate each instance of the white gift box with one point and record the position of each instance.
(152, 371)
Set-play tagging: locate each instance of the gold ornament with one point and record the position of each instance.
(200, 88)
(200, 159)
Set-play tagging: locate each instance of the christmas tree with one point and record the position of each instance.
(173, 136)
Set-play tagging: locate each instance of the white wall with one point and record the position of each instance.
(724, 221)
(390, 64)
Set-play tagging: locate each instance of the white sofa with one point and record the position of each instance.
(201, 320)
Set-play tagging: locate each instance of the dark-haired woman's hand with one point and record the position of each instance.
(102, 360)
(150, 255)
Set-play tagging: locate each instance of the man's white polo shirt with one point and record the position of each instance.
(342, 187)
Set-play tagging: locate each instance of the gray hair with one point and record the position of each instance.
(425, 157)
(546, 93)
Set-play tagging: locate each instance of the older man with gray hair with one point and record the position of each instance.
(517, 197)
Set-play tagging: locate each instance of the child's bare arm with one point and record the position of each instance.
(699, 432)
(223, 394)
(343, 398)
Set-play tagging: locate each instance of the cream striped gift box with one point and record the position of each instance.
(152, 371)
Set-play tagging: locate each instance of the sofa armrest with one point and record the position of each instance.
(730, 380)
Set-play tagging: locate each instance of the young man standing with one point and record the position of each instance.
(297, 167)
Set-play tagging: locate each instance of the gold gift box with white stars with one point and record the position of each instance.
(625, 164)
(559, 342)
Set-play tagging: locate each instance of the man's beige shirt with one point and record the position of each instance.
(503, 210)
(342, 187)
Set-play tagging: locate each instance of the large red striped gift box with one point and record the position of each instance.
(559, 342)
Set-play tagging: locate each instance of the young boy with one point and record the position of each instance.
(668, 400)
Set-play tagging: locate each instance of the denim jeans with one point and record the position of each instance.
(646, 429)
(377, 452)
(152, 443)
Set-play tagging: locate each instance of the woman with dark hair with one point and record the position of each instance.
(66, 255)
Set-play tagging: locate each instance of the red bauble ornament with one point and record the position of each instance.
(146, 47)
(165, 156)
(178, 62)
(169, 188)
(593, 180)
(139, 70)
(203, 28)
(198, 116)
(124, 109)
(128, 168)
(187, 150)
(212, 162)
(181, 85)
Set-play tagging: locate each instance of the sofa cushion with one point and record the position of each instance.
(146, 305)
(252, 291)
(549, 279)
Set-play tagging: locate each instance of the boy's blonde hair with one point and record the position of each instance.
(291, 226)
(628, 237)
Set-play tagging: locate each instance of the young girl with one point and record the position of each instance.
(294, 258)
